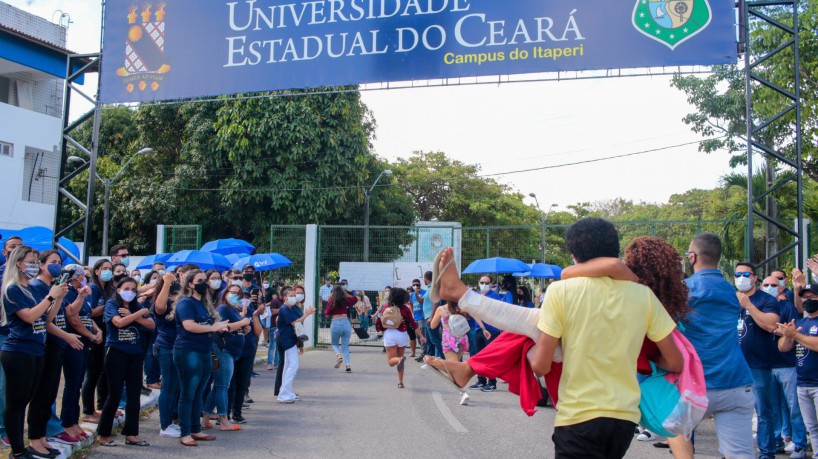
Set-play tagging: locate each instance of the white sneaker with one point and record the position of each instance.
(464, 398)
(424, 366)
(646, 435)
(170, 432)
(790, 447)
(175, 427)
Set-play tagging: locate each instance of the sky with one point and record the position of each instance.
(522, 126)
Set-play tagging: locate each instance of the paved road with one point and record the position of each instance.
(364, 415)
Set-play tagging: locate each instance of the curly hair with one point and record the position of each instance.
(592, 238)
(659, 267)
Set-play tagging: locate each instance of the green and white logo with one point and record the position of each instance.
(671, 22)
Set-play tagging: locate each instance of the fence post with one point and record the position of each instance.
(160, 238)
(310, 280)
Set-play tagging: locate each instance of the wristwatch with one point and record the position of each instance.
(50, 298)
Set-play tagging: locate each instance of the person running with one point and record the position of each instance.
(162, 307)
(102, 288)
(341, 329)
(76, 361)
(127, 323)
(23, 352)
(454, 347)
(289, 315)
(393, 324)
(227, 349)
(196, 320)
(605, 416)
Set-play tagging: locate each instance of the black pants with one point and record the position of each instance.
(23, 373)
(39, 412)
(603, 438)
(95, 379)
(239, 384)
(122, 369)
(280, 369)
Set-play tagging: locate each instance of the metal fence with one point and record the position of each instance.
(181, 237)
(338, 244)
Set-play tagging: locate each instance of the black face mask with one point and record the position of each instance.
(119, 277)
(248, 277)
(811, 306)
(201, 289)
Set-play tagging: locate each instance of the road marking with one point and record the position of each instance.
(447, 413)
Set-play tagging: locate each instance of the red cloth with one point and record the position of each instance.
(505, 358)
(650, 351)
(331, 310)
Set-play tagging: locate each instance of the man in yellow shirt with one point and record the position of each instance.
(601, 324)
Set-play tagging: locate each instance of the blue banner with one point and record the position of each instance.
(172, 49)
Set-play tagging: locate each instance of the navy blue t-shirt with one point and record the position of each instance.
(61, 322)
(84, 315)
(286, 331)
(189, 308)
(4, 329)
(250, 339)
(98, 298)
(130, 339)
(23, 337)
(807, 360)
(165, 328)
(760, 347)
(234, 342)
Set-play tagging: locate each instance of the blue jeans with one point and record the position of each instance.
(785, 379)
(152, 371)
(221, 382)
(341, 330)
(472, 336)
(73, 368)
(169, 396)
(272, 349)
(764, 386)
(194, 373)
(434, 340)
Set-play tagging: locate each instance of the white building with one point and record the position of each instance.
(32, 70)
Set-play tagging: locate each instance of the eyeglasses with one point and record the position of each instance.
(769, 285)
(744, 274)
(415, 285)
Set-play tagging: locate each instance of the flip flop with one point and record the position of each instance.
(339, 362)
(400, 364)
(109, 443)
(234, 429)
(447, 376)
(400, 385)
(137, 443)
(436, 272)
(188, 443)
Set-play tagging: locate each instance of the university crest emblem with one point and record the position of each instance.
(145, 65)
(671, 22)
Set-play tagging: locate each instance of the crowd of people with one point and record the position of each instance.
(192, 333)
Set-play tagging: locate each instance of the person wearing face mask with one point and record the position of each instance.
(162, 309)
(274, 303)
(102, 288)
(120, 272)
(60, 337)
(127, 321)
(484, 334)
(337, 309)
(23, 353)
(152, 371)
(789, 430)
(76, 360)
(758, 320)
(288, 316)
(196, 322)
(801, 334)
(416, 298)
(782, 286)
(227, 348)
(159, 267)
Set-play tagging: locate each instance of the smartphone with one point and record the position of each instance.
(255, 291)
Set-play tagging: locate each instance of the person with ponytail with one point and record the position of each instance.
(102, 288)
(23, 352)
(196, 322)
(127, 322)
(162, 306)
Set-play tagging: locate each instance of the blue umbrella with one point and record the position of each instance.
(541, 271)
(496, 265)
(234, 257)
(204, 260)
(228, 246)
(41, 239)
(264, 262)
(147, 262)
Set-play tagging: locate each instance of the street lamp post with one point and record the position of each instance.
(107, 184)
(366, 213)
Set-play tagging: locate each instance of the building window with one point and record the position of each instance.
(6, 149)
(5, 90)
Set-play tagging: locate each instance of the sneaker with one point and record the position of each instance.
(646, 435)
(424, 366)
(65, 438)
(489, 388)
(477, 386)
(798, 453)
(170, 432)
(288, 400)
(464, 399)
(175, 427)
(248, 400)
(297, 398)
(239, 419)
(789, 448)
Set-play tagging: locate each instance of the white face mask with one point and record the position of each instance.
(153, 281)
(161, 272)
(485, 288)
(291, 300)
(216, 284)
(743, 284)
(266, 286)
(127, 295)
(299, 297)
(782, 282)
(773, 291)
(236, 282)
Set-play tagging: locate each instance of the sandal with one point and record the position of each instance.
(436, 272)
(109, 443)
(200, 437)
(400, 385)
(235, 428)
(136, 443)
(447, 376)
(188, 443)
(339, 362)
(349, 370)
